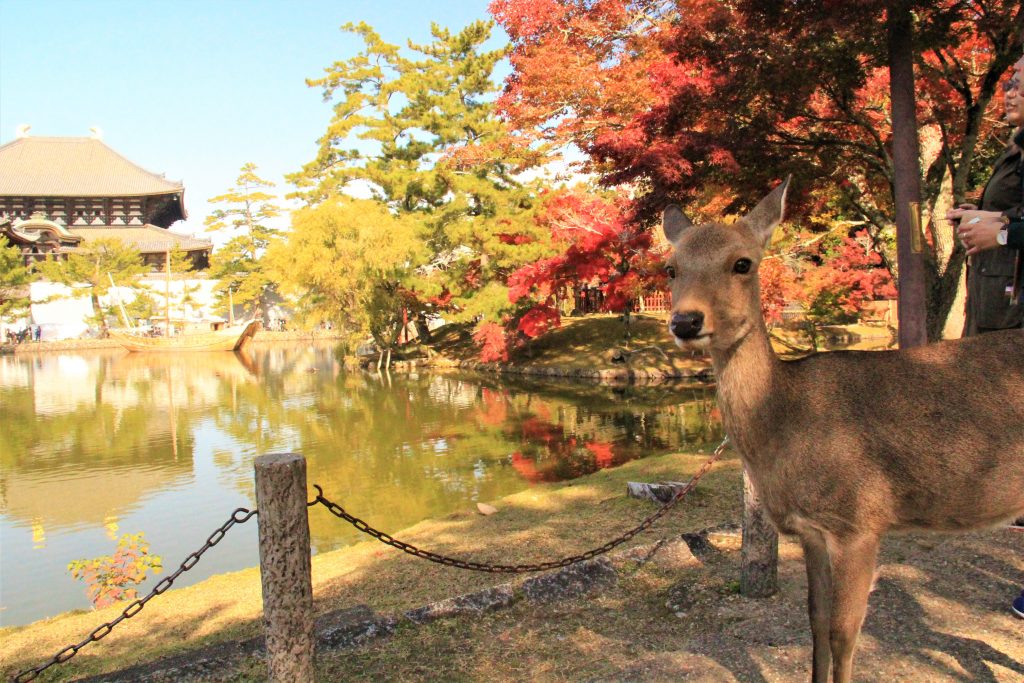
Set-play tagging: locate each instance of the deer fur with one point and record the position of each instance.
(844, 447)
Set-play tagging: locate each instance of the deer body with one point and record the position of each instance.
(846, 446)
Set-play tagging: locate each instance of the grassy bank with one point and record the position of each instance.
(541, 523)
(939, 611)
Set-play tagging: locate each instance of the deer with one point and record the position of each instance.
(844, 447)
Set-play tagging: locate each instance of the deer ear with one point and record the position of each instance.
(674, 222)
(768, 213)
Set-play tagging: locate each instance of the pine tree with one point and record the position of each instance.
(420, 134)
(239, 263)
(14, 280)
(95, 265)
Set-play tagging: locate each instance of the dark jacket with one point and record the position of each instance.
(991, 272)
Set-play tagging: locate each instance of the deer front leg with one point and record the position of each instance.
(819, 600)
(853, 570)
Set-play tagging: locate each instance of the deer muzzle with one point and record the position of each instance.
(686, 326)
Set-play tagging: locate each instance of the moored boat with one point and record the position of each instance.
(230, 338)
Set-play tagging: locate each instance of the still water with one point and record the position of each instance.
(95, 446)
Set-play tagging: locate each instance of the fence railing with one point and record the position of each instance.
(285, 562)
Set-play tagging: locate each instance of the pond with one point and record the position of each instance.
(95, 446)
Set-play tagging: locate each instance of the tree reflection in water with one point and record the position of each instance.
(165, 445)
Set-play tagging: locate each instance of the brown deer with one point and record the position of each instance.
(843, 447)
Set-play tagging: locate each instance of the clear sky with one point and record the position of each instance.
(193, 89)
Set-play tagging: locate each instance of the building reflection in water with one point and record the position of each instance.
(98, 445)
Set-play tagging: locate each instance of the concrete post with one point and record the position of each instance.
(285, 566)
(759, 575)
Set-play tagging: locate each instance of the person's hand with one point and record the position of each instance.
(978, 229)
(955, 214)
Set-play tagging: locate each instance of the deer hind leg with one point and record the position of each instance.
(853, 570)
(819, 600)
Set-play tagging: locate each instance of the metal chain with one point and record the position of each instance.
(338, 511)
(239, 516)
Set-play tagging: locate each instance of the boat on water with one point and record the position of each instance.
(229, 338)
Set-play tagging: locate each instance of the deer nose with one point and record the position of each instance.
(686, 325)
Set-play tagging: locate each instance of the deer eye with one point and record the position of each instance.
(741, 266)
(671, 272)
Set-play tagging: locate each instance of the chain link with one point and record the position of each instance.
(386, 539)
(242, 515)
(239, 516)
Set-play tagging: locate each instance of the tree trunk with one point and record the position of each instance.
(907, 177)
(104, 328)
(422, 330)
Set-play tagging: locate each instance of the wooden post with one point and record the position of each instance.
(285, 566)
(759, 575)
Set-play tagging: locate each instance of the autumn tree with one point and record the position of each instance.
(595, 242)
(238, 264)
(710, 103)
(416, 130)
(94, 265)
(14, 280)
(351, 262)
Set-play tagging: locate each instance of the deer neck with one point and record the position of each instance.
(748, 377)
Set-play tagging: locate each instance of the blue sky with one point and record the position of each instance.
(193, 89)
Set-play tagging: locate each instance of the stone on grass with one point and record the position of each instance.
(572, 582)
(471, 603)
(350, 627)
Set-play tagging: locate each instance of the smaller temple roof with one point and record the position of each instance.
(74, 167)
(148, 239)
(38, 225)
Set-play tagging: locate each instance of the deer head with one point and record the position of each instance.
(713, 273)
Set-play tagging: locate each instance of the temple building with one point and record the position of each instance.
(59, 193)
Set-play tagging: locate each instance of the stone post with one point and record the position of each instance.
(759, 575)
(285, 566)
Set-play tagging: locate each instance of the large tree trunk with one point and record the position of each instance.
(907, 177)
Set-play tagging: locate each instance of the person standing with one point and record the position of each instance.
(994, 239)
(993, 233)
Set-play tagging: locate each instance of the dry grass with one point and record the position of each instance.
(940, 611)
(534, 525)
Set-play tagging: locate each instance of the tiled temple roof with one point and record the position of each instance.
(148, 239)
(74, 167)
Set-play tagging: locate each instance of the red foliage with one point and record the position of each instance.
(490, 337)
(604, 456)
(441, 300)
(600, 243)
(849, 274)
(539, 320)
(695, 94)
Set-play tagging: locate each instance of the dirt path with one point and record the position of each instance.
(940, 612)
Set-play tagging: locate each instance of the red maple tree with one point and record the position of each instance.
(709, 103)
(598, 243)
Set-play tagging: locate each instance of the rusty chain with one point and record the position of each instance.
(338, 511)
(239, 516)
(242, 515)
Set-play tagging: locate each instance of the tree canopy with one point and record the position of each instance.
(709, 103)
(351, 262)
(239, 262)
(14, 280)
(95, 264)
(416, 130)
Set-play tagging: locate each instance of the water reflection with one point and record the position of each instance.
(99, 444)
